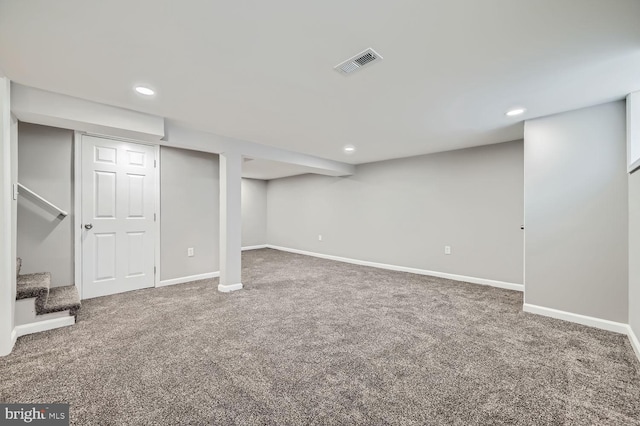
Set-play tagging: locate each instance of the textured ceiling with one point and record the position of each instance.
(263, 71)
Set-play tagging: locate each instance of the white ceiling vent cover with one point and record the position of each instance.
(359, 61)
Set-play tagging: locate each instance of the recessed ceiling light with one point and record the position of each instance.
(145, 90)
(515, 111)
(349, 149)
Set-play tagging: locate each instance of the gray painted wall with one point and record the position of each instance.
(254, 212)
(189, 212)
(45, 165)
(634, 252)
(403, 212)
(189, 207)
(576, 212)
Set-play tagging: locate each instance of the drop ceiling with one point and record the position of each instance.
(263, 71)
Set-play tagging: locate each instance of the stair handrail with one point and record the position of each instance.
(45, 201)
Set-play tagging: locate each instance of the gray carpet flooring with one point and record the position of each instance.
(311, 341)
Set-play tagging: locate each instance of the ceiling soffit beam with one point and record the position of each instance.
(37, 106)
(67, 112)
(180, 136)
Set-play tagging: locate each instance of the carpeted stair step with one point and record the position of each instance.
(61, 299)
(34, 285)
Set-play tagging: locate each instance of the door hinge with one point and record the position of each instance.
(155, 163)
(154, 217)
(154, 270)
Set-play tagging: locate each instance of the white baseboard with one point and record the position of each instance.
(37, 327)
(229, 288)
(189, 278)
(474, 280)
(603, 324)
(635, 343)
(258, 247)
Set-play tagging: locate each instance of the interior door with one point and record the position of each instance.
(118, 215)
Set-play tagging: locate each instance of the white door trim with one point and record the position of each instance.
(77, 210)
(77, 201)
(156, 279)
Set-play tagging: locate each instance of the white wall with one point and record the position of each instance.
(634, 252)
(8, 177)
(189, 212)
(403, 212)
(576, 212)
(633, 151)
(14, 213)
(254, 212)
(45, 240)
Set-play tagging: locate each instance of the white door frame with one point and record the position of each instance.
(77, 202)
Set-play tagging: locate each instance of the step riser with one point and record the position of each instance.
(40, 307)
(25, 313)
(50, 324)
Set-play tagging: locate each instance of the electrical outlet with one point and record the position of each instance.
(190, 252)
(319, 237)
(447, 249)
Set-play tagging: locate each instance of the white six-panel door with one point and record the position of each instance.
(118, 214)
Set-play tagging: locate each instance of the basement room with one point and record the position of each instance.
(320, 213)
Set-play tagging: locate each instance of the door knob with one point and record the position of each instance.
(88, 226)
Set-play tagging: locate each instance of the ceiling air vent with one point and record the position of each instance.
(359, 61)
